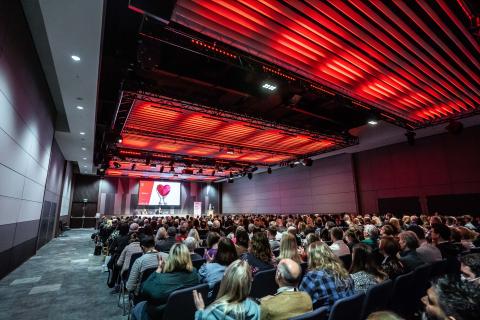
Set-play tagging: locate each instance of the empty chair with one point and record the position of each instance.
(264, 284)
(180, 303)
(349, 308)
(198, 263)
(402, 297)
(376, 298)
(347, 260)
(317, 314)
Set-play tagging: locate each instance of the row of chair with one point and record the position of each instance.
(401, 295)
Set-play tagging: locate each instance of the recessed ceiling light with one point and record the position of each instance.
(83, 148)
(84, 166)
(75, 58)
(373, 122)
(269, 86)
(79, 107)
(82, 133)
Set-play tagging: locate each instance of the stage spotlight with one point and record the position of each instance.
(161, 169)
(410, 137)
(307, 162)
(230, 180)
(249, 175)
(117, 165)
(269, 170)
(454, 127)
(269, 86)
(119, 138)
(373, 122)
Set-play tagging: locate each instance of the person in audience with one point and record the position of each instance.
(213, 271)
(450, 299)
(173, 272)
(387, 230)
(409, 257)
(364, 270)
(384, 315)
(121, 241)
(165, 245)
(467, 237)
(470, 267)
(390, 264)
(288, 302)
(191, 244)
(468, 222)
(327, 280)
(194, 234)
(272, 234)
(370, 232)
(147, 261)
(182, 232)
(395, 223)
(134, 247)
(161, 235)
(351, 238)
(232, 301)
(338, 246)
(212, 245)
(259, 255)
(441, 237)
(289, 248)
(426, 251)
(241, 235)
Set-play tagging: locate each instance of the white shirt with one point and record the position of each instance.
(340, 248)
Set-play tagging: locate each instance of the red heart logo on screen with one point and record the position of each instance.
(163, 190)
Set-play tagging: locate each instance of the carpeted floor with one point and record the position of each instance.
(63, 281)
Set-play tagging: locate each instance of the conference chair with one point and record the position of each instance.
(132, 298)
(198, 263)
(180, 304)
(123, 282)
(264, 284)
(214, 292)
(421, 280)
(403, 294)
(439, 268)
(347, 260)
(377, 297)
(349, 308)
(317, 314)
(200, 251)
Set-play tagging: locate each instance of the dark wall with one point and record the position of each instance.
(440, 166)
(84, 201)
(326, 187)
(26, 134)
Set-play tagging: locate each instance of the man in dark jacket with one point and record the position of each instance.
(165, 245)
(408, 256)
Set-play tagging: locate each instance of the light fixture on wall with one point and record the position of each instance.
(75, 58)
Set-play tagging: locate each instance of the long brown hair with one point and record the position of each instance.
(260, 247)
(363, 260)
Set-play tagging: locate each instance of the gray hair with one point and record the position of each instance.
(191, 243)
(287, 276)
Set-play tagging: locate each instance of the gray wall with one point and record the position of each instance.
(326, 187)
(66, 192)
(26, 133)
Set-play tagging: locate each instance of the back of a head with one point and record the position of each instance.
(236, 283)
(147, 241)
(260, 247)
(290, 272)
(178, 259)
(336, 233)
(191, 243)
(123, 229)
(364, 260)
(442, 230)
(389, 246)
(226, 252)
(212, 238)
(242, 237)
(458, 299)
(410, 238)
(320, 256)
(371, 231)
(384, 315)
(417, 230)
(172, 231)
(272, 230)
(288, 247)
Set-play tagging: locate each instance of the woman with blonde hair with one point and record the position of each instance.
(194, 234)
(173, 273)
(327, 280)
(289, 248)
(232, 300)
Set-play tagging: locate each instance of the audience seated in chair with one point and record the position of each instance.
(173, 273)
(241, 245)
(213, 271)
(147, 261)
(441, 238)
(134, 247)
(232, 300)
(327, 280)
(390, 264)
(370, 232)
(364, 270)
(451, 299)
(288, 302)
(426, 251)
(338, 246)
(289, 248)
(259, 255)
(408, 255)
(272, 233)
(165, 245)
(212, 245)
(191, 244)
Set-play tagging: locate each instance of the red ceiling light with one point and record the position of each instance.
(397, 70)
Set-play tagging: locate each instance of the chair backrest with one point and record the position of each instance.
(304, 266)
(264, 284)
(377, 297)
(134, 257)
(347, 260)
(180, 303)
(198, 263)
(146, 273)
(422, 280)
(317, 314)
(349, 308)
(439, 268)
(214, 290)
(200, 251)
(402, 294)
